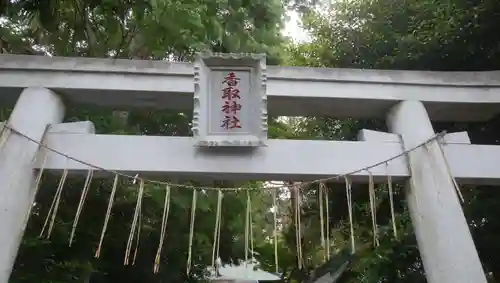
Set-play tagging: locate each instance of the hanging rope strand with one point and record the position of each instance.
(322, 221)
(134, 222)
(138, 234)
(327, 205)
(58, 201)
(391, 202)
(38, 179)
(42, 168)
(218, 231)
(250, 227)
(191, 231)
(40, 151)
(217, 228)
(106, 219)
(247, 226)
(349, 207)
(4, 134)
(54, 206)
(448, 170)
(371, 191)
(295, 220)
(83, 196)
(164, 219)
(275, 230)
(298, 226)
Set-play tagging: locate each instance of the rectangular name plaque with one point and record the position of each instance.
(230, 104)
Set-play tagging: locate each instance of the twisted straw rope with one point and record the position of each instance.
(317, 181)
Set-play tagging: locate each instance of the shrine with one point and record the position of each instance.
(231, 96)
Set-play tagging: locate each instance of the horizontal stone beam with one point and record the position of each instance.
(292, 91)
(175, 157)
(474, 164)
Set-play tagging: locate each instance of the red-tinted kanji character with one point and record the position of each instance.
(230, 93)
(230, 122)
(231, 107)
(231, 79)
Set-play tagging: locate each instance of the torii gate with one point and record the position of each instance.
(409, 100)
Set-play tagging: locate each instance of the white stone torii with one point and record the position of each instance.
(409, 100)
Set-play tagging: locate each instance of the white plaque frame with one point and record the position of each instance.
(204, 65)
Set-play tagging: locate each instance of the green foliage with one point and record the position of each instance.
(413, 35)
(156, 29)
(384, 34)
(169, 30)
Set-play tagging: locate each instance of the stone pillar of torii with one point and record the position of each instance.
(233, 94)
